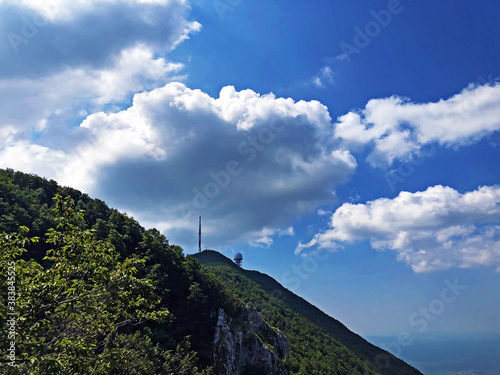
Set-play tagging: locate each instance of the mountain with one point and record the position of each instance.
(88, 290)
(317, 341)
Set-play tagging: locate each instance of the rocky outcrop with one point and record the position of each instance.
(248, 345)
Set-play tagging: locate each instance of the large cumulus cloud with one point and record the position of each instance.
(248, 163)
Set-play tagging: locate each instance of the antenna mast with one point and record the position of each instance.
(199, 238)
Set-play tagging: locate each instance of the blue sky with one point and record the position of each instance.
(349, 149)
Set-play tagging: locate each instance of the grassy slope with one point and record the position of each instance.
(272, 299)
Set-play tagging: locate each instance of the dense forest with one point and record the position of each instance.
(86, 289)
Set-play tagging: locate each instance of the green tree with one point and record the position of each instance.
(71, 311)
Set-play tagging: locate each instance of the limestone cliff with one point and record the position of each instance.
(248, 345)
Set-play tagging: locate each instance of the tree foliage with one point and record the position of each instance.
(70, 312)
(86, 307)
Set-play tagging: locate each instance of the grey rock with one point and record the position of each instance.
(248, 345)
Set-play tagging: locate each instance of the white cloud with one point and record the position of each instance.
(32, 158)
(322, 212)
(290, 231)
(66, 9)
(127, 135)
(44, 38)
(439, 228)
(173, 142)
(396, 127)
(249, 163)
(324, 77)
(73, 92)
(263, 238)
(7, 135)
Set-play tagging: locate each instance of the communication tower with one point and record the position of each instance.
(199, 237)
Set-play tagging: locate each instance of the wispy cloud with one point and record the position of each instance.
(324, 77)
(290, 231)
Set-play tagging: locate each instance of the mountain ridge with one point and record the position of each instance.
(379, 359)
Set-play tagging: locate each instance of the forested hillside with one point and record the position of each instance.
(320, 344)
(86, 289)
(97, 293)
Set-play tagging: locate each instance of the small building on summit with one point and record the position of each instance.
(238, 259)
